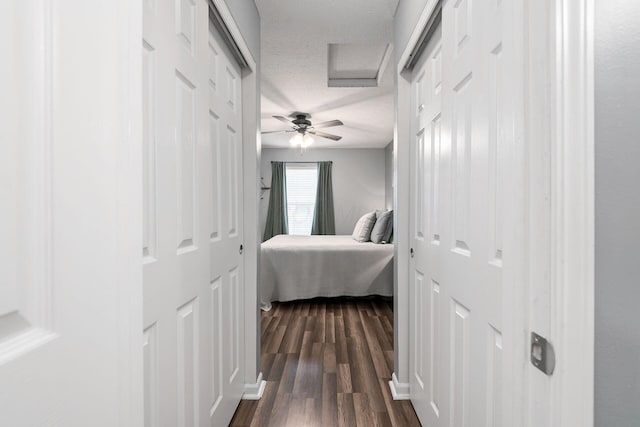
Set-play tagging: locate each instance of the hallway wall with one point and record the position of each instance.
(617, 162)
(406, 18)
(246, 15)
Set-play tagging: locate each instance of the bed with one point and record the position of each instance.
(302, 267)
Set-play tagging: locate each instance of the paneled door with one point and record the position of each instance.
(70, 278)
(426, 353)
(193, 284)
(462, 129)
(226, 283)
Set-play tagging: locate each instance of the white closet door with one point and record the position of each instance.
(193, 168)
(428, 392)
(226, 282)
(462, 127)
(70, 303)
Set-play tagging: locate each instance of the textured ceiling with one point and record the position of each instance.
(294, 57)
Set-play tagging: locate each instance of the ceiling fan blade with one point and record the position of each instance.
(275, 131)
(283, 120)
(326, 135)
(328, 124)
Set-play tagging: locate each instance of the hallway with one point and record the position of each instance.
(327, 362)
(136, 149)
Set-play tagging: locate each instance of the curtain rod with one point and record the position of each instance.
(320, 161)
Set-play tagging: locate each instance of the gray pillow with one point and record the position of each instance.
(362, 232)
(381, 232)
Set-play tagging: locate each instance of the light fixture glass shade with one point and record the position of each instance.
(296, 139)
(306, 141)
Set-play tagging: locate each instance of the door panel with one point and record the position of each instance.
(429, 396)
(69, 199)
(192, 264)
(458, 178)
(225, 255)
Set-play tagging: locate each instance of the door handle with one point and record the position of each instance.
(241, 249)
(412, 253)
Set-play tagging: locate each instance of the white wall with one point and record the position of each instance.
(358, 180)
(617, 161)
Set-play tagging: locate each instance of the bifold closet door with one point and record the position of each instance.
(426, 352)
(226, 282)
(193, 284)
(462, 127)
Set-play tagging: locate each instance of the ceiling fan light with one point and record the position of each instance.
(296, 139)
(306, 141)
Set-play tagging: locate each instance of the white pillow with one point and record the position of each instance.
(362, 232)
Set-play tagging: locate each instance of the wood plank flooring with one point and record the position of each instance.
(327, 362)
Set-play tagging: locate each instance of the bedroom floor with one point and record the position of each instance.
(327, 362)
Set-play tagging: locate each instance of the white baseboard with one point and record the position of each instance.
(399, 391)
(254, 391)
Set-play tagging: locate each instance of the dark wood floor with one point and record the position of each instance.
(327, 362)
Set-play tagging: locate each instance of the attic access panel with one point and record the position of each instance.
(356, 64)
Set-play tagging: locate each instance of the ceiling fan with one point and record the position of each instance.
(302, 126)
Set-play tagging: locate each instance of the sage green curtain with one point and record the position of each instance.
(277, 222)
(324, 221)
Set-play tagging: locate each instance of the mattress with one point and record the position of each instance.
(302, 267)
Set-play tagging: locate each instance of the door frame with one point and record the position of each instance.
(573, 210)
(569, 69)
(129, 220)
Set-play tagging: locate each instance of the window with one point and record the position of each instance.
(302, 182)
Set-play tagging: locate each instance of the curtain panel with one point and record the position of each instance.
(323, 216)
(277, 212)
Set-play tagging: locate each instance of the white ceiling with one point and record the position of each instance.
(294, 61)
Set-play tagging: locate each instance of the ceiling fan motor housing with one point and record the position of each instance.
(301, 120)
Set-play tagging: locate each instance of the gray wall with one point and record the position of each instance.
(358, 180)
(388, 178)
(246, 15)
(406, 17)
(617, 162)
